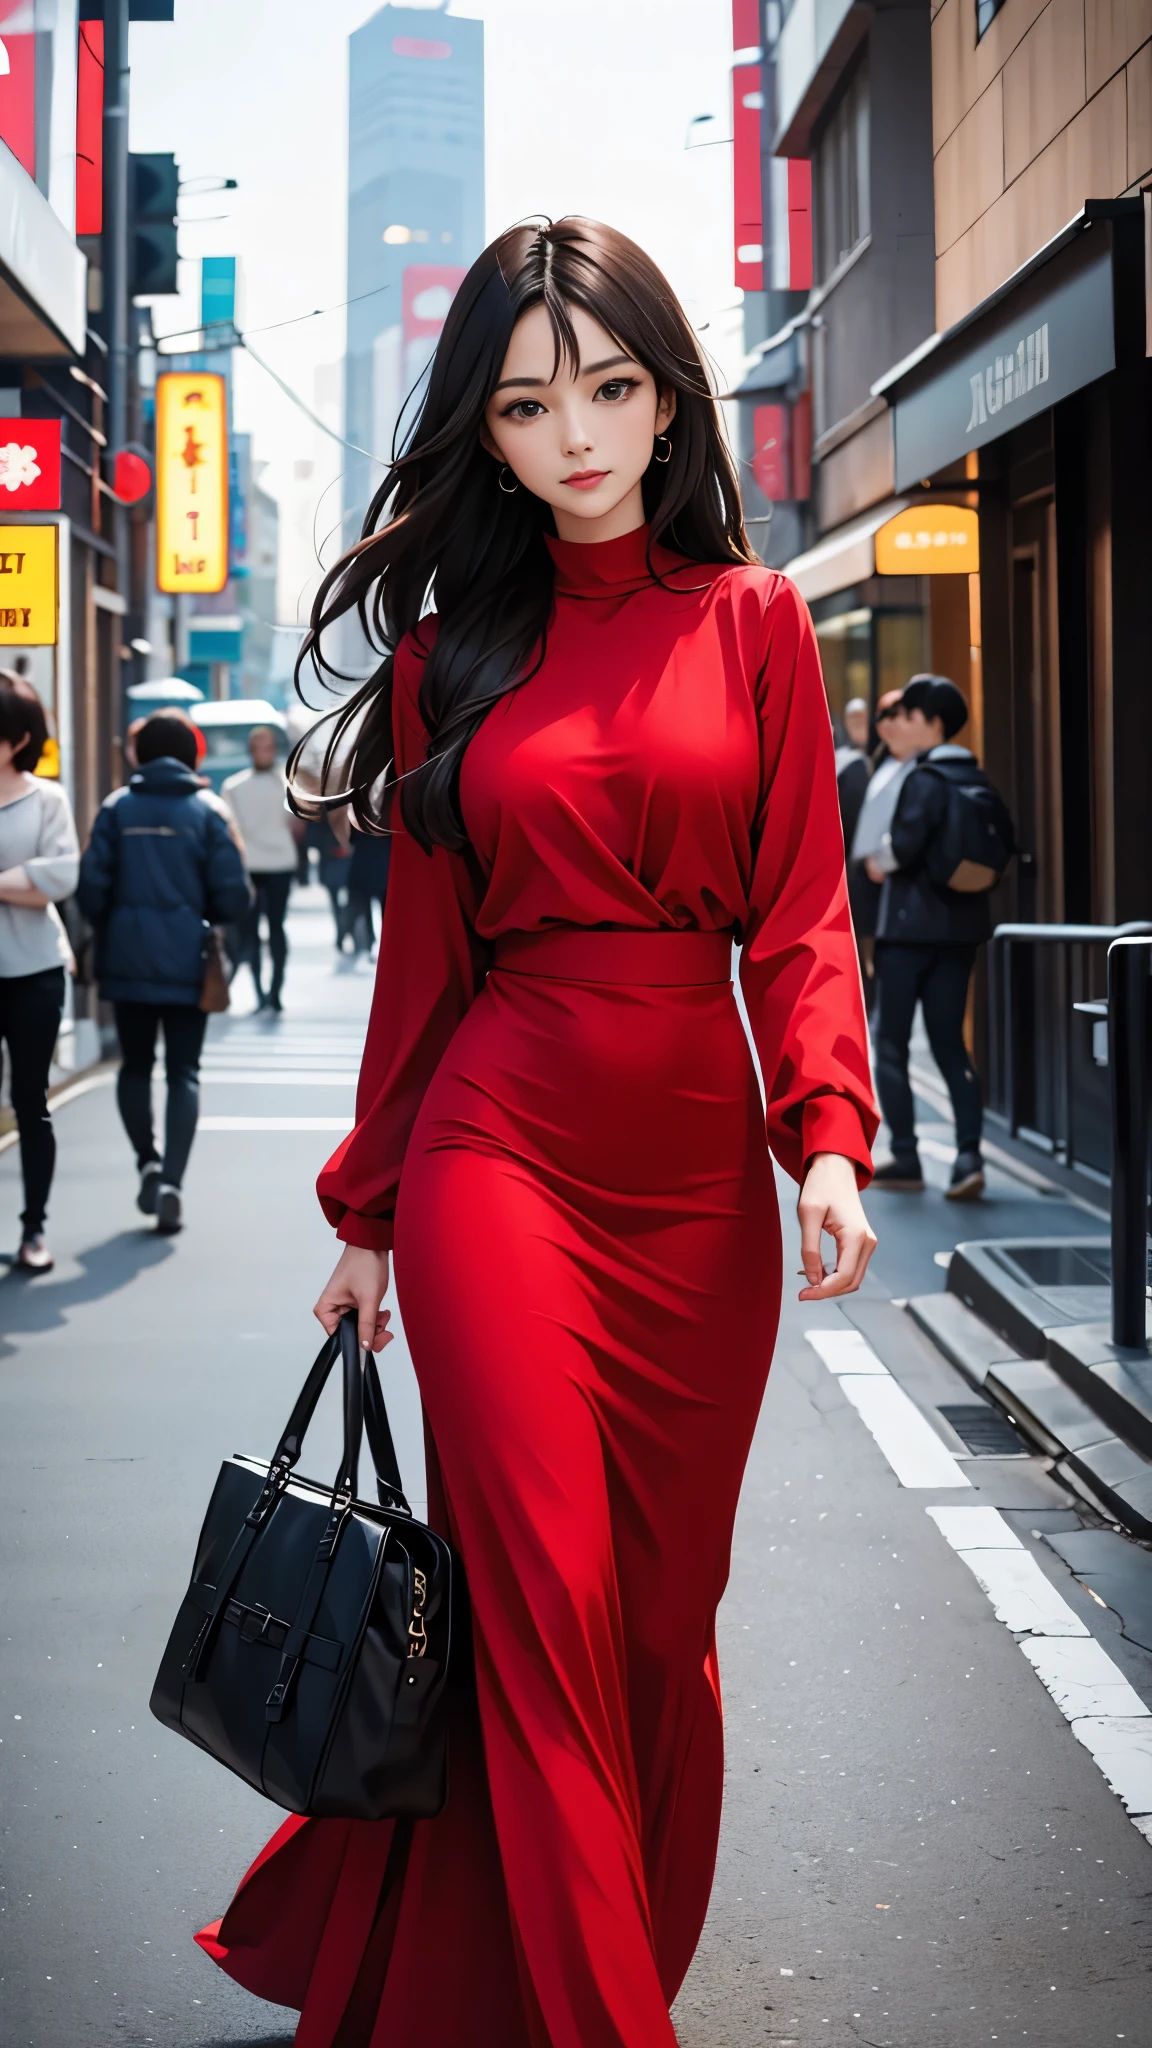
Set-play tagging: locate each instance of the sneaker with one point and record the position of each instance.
(168, 1210)
(900, 1177)
(967, 1183)
(33, 1256)
(149, 1188)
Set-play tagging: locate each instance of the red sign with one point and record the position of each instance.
(802, 447)
(29, 466)
(427, 290)
(131, 477)
(799, 224)
(748, 206)
(770, 452)
(90, 129)
(18, 97)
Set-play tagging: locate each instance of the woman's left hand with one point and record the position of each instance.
(830, 1200)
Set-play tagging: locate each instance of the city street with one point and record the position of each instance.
(950, 1869)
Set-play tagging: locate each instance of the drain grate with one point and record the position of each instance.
(984, 1432)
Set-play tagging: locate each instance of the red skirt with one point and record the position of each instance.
(588, 1268)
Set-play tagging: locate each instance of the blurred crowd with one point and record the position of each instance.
(179, 888)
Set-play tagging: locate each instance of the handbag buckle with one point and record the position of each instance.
(269, 1494)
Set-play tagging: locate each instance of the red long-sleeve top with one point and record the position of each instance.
(670, 765)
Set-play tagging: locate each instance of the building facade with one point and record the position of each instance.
(415, 217)
(975, 352)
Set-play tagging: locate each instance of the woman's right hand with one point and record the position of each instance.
(359, 1282)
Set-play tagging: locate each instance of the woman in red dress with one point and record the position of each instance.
(605, 755)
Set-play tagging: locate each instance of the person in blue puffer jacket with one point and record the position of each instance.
(161, 868)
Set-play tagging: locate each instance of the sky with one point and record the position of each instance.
(587, 111)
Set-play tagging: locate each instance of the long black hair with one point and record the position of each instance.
(439, 527)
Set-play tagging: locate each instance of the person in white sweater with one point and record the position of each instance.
(255, 798)
(39, 863)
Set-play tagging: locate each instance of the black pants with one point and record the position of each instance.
(271, 903)
(360, 920)
(30, 1009)
(936, 977)
(183, 1025)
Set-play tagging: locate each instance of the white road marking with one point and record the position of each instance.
(975, 1528)
(1122, 1746)
(275, 1123)
(1103, 1710)
(1082, 1678)
(1024, 1600)
(287, 1077)
(846, 1351)
(908, 1441)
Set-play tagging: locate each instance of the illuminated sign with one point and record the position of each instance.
(29, 465)
(929, 540)
(191, 482)
(28, 596)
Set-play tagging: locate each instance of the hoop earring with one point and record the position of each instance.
(667, 455)
(508, 489)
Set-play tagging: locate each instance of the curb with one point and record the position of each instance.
(1111, 1474)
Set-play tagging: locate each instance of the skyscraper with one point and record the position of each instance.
(415, 213)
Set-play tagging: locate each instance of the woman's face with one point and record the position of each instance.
(580, 439)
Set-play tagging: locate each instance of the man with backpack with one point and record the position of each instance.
(160, 870)
(949, 842)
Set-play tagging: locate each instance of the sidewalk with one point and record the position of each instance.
(918, 1842)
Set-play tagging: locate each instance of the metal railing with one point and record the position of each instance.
(1129, 1064)
(1047, 1056)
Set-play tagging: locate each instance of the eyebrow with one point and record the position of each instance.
(586, 370)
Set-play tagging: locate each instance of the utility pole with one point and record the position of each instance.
(115, 255)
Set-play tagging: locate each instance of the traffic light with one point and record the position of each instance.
(153, 183)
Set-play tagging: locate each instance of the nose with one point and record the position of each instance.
(576, 438)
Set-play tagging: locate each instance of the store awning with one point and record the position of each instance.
(43, 275)
(1071, 314)
(844, 557)
(773, 369)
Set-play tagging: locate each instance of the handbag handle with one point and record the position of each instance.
(364, 1410)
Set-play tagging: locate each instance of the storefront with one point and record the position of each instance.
(1040, 401)
(894, 593)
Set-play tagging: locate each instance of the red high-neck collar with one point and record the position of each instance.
(607, 568)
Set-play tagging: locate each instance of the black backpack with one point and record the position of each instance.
(976, 840)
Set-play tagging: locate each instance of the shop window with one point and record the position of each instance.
(845, 643)
(840, 174)
(986, 12)
(900, 649)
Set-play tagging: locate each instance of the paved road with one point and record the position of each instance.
(917, 1850)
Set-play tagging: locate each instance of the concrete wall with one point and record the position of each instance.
(1052, 107)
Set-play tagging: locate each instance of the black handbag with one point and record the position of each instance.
(311, 1651)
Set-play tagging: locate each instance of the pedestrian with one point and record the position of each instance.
(608, 755)
(853, 768)
(890, 764)
(334, 863)
(367, 884)
(39, 859)
(256, 799)
(933, 918)
(160, 870)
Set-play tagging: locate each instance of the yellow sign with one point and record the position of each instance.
(929, 540)
(28, 601)
(191, 482)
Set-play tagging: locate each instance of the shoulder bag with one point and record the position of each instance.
(214, 995)
(311, 1652)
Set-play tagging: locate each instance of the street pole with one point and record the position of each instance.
(1129, 1016)
(115, 261)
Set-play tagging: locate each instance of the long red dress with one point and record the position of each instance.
(565, 1136)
